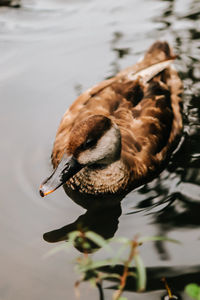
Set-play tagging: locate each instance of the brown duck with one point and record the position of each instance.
(117, 135)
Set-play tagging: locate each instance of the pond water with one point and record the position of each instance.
(50, 51)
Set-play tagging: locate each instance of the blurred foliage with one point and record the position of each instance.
(92, 271)
(193, 290)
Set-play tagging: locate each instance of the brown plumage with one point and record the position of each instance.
(138, 110)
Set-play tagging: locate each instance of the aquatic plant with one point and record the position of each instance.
(193, 291)
(96, 272)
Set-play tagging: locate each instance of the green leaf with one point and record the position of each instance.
(132, 274)
(86, 246)
(93, 281)
(92, 265)
(121, 240)
(73, 235)
(97, 239)
(123, 298)
(141, 273)
(56, 250)
(193, 290)
(156, 238)
(110, 276)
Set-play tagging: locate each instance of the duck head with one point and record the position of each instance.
(93, 142)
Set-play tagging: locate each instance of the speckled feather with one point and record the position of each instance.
(144, 101)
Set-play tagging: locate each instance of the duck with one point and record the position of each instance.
(118, 134)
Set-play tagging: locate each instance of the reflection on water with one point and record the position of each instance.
(11, 3)
(103, 221)
(177, 277)
(51, 51)
(120, 52)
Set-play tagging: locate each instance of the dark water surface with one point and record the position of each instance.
(50, 51)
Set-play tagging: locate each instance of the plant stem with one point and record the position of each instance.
(85, 253)
(167, 287)
(124, 276)
(101, 295)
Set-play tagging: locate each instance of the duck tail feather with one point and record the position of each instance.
(159, 51)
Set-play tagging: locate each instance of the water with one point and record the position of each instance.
(50, 52)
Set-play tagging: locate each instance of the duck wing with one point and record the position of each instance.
(153, 122)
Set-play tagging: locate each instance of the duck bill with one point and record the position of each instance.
(67, 167)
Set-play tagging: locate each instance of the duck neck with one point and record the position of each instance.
(102, 179)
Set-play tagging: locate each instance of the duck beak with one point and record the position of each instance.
(67, 167)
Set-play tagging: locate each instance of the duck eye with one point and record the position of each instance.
(89, 143)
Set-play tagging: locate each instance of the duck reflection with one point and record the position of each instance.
(99, 219)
